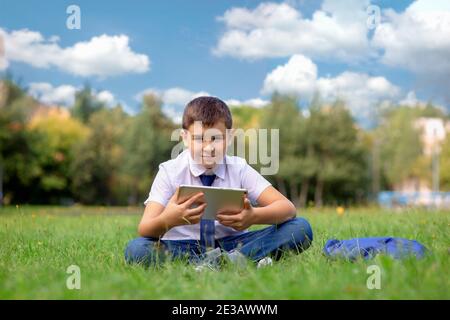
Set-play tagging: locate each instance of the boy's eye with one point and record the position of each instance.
(213, 138)
(216, 138)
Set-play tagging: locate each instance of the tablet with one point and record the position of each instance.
(216, 198)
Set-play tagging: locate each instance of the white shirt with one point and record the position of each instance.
(234, 172)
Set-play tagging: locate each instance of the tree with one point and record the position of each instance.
(337, 151)
(401, 147)
(97, 159)
(86, 104)
(246, 117)
(283, 114)
(58, 133)
(323, 148)
(18, 157)
(445, 165)
(147, 143)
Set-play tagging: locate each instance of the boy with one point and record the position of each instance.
(176, 229)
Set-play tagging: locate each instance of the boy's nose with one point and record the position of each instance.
(208, 148)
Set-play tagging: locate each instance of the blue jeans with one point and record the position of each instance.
(293, 235)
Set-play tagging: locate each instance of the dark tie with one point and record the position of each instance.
(207, 228)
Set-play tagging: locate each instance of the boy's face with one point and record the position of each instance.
(207, 144)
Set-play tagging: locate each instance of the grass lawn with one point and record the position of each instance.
(37, 244)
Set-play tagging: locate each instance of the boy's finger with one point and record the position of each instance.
(227, 224)
(192, 199)
(196, 217)
(196, 210)
(228, 212)
(228, 219)
(224, 221)
(233, 225)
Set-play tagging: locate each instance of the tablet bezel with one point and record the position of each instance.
(215, 194)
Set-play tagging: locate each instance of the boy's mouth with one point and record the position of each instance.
(206, 156)
(208, 159)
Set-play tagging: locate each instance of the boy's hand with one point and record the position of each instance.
(239, 220)
(177, 214)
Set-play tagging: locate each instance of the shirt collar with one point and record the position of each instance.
(197, 169)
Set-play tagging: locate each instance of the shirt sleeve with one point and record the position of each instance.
(161, 190)
(254, 182)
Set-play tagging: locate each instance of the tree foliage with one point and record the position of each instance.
(95, 154)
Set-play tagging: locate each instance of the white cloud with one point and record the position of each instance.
(179, 96)
(172, 96)
(65, 94)
(255, 102)
(338, 30)
(47, 94)
(410, 100)
(106, 97)
(360, 91)
(297, 76)
(174, 100)
(417, 39)
(101, 56)
(176, 115)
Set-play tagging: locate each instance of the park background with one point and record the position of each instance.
(358, 90)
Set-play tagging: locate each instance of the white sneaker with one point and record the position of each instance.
(237, 258)
(264, 262)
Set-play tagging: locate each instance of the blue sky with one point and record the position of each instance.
(182, 42)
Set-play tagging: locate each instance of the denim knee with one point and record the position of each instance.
(301, 231)
(141, 250)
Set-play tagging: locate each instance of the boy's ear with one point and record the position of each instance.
(185, 137)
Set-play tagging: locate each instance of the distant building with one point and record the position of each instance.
(415, 191)
(434, 131)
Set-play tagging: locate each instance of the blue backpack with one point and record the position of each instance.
(368, 248)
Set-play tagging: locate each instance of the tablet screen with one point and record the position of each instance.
(216, 198)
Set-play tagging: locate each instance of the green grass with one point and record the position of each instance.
(37, 244)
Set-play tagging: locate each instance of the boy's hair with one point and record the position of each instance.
(208, 110)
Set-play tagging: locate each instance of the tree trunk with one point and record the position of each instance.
(133, 195)
(281, 186)
(1, 184)
(294, 193)
(376, 170)
(318, 193)
(304, 193)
